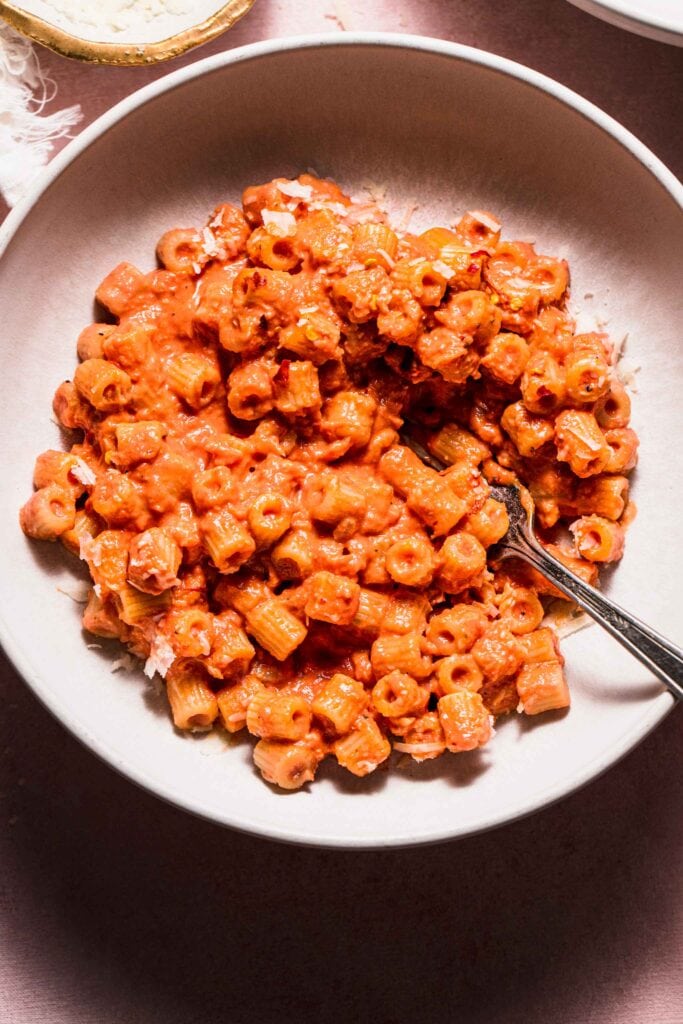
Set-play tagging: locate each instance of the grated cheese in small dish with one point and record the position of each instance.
(118, 15)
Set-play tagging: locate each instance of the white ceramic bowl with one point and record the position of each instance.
(451, 128)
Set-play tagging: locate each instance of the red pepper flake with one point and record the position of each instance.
(473, 268)
(282, 375)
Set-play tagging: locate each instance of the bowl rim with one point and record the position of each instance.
(661, 705)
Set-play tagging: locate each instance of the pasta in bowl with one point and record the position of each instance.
(253, 527)
(94, 210)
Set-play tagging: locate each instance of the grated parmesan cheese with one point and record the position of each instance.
(442, 268)
(280, 225)
(295, 190)
(391, 263)
(126, 663)
(490, 222)
(77, 591)
(565, 618)
(83, 473)
(89, 550)
(419, 748)
(627, 369)
(410, 212)
(161, 657)
(210, 244)
(618, 349)
(376, 191)
(324, 204)
(117, 15)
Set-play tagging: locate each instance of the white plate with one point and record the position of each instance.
(656, 19)
(452, 128)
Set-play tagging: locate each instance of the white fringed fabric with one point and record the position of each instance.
(26, 133)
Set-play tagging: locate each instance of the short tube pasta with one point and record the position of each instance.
(543, 383)
(456, 672)
(411, 561)
(154, 559)
(586, 369)
(339, 703)
(102, 384)
(455, 630)
(268, 518)
(286, 765)
(520, 609)
(363, 748)
(332, 598)
(226, 541)
(598, 539)
(613, 410)
(424, 490)
(194, 378)
(275, 628)
(463, 560)
(542, 687)
(49, 513)
(403, 653)
(375, 244)
(193, 703)
(465, 721)
(580, 443)
(278, 716)
(182, 251)
(397, 694)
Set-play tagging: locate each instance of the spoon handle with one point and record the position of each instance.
(662, 658)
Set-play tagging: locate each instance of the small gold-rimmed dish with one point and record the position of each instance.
(154, 40)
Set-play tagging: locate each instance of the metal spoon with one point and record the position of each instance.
(659, 655)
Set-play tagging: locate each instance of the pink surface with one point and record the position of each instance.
(115, 907)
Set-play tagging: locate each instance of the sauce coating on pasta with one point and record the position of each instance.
(253, 526)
